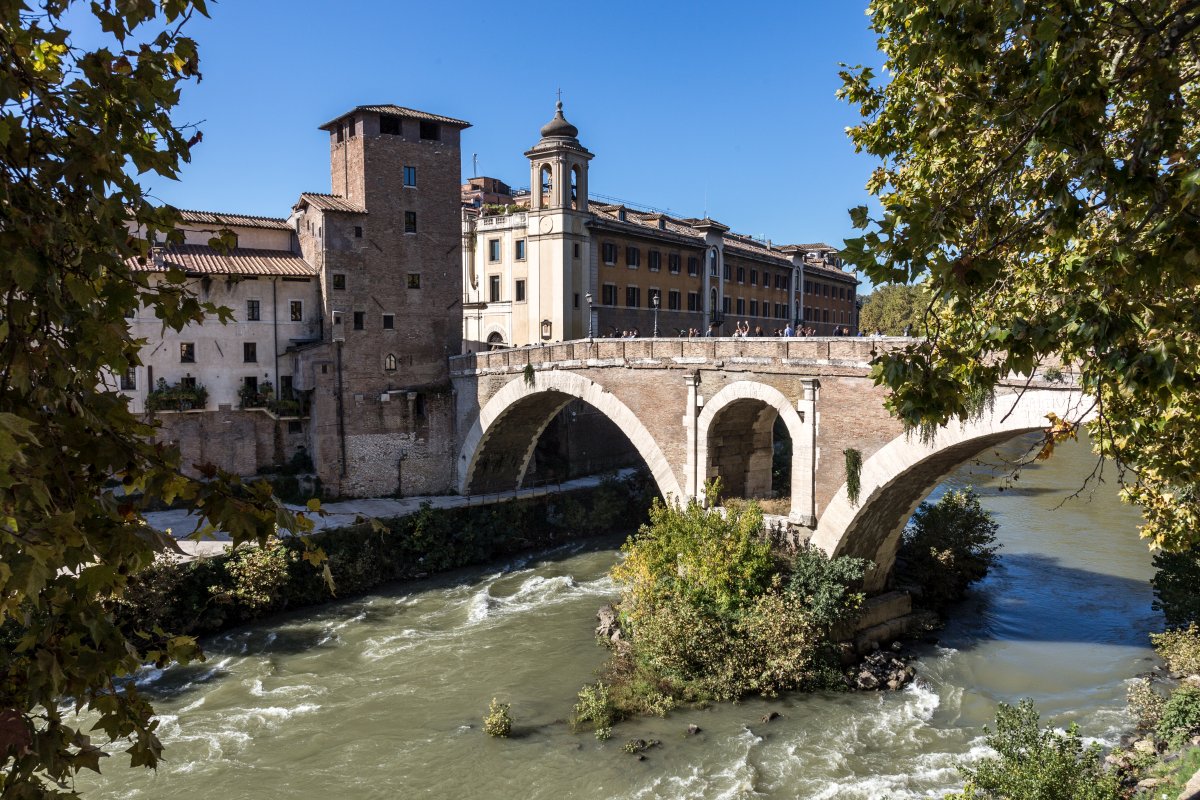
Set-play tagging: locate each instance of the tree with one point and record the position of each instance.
(894, 309)
(76, 467)
(1040, 175)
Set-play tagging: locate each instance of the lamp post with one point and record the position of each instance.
(654, 302)
(588, 298)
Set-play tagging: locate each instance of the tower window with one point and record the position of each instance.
(410, 176)
(389, 363)
(410, 222)
(187, 352)
(296, 310)
(389, 124)
(358, 231)
(250, 352)
(253, 310)
(414, 280)
(359, 320)
(431, 131)
(389, 322)
(339, 280)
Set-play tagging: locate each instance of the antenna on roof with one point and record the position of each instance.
(706, 201)
(474, 165)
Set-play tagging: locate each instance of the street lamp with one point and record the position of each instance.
(654, 302)
(588, 298)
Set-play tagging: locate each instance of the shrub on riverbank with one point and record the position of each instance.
(1036, 762)
(1177, 586)
(708, 612)
(209, 594)
(947, 546)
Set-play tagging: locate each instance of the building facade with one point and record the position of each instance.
(549, 265)
(345, 314)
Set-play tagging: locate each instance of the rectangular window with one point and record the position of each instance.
(575, 249)
(728, 272)
(414, 280)
(389, 124)
(633, 296)
(250, 352)
(296, 310)
(673, 262)
(389, 322)
(493, 288)
(673, 300)
(410, 222)
(577, 299)
(360, 318)
(754, 277)
(608, 294)
(251, 383)
(519, 250)
(754, 308)
(493, 250)
(741, 273)
(129, 379)
(253, 310)
(358, 231)
(825, 290)
(825, 315)
(693, 266)
(187, 352)
(339, 280)
(519, 292)
(410, 176)
(609, 252)
(693, 301)
(725, 304)
(654, 261)
(633, 257)
(741, 306)
(431, 131)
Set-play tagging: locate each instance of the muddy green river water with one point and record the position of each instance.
(381, 697)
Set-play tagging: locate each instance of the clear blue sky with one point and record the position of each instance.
(679, 101)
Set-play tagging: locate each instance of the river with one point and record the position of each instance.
(381, 697)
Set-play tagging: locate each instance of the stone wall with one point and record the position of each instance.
(241, 442)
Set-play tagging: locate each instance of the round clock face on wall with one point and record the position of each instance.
(547, 225)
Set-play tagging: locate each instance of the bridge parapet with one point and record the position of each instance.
(778, 352)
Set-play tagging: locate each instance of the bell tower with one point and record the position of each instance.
(560, 260)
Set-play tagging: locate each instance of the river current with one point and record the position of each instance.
(382, 696)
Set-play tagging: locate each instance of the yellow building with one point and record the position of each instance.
(548, 265)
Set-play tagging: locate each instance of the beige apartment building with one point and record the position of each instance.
(551, 265)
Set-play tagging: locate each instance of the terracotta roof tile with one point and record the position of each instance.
(400, 111)
(330, 202)
(200, 260)
(221, 218)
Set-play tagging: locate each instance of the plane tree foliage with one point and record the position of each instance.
(1040, 175)
(894, 309)
(80, 129)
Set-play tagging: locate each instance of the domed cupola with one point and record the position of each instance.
(559, 128)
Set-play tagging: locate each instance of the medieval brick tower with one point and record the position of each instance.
(388, 245)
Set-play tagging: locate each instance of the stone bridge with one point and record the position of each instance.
(697, 409)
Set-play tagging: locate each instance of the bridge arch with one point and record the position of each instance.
(897, 477)
(749, 409)
(498, 447)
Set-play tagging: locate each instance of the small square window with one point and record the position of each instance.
(410, 176)
(296, 310)
(250, 352)
(389, 322)
(431, 131)
(294, 426)
(414, 280)
(410, 222)
(339, 280)
(389, 124)
(187, 353)
(253, 310)
(359, 320)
